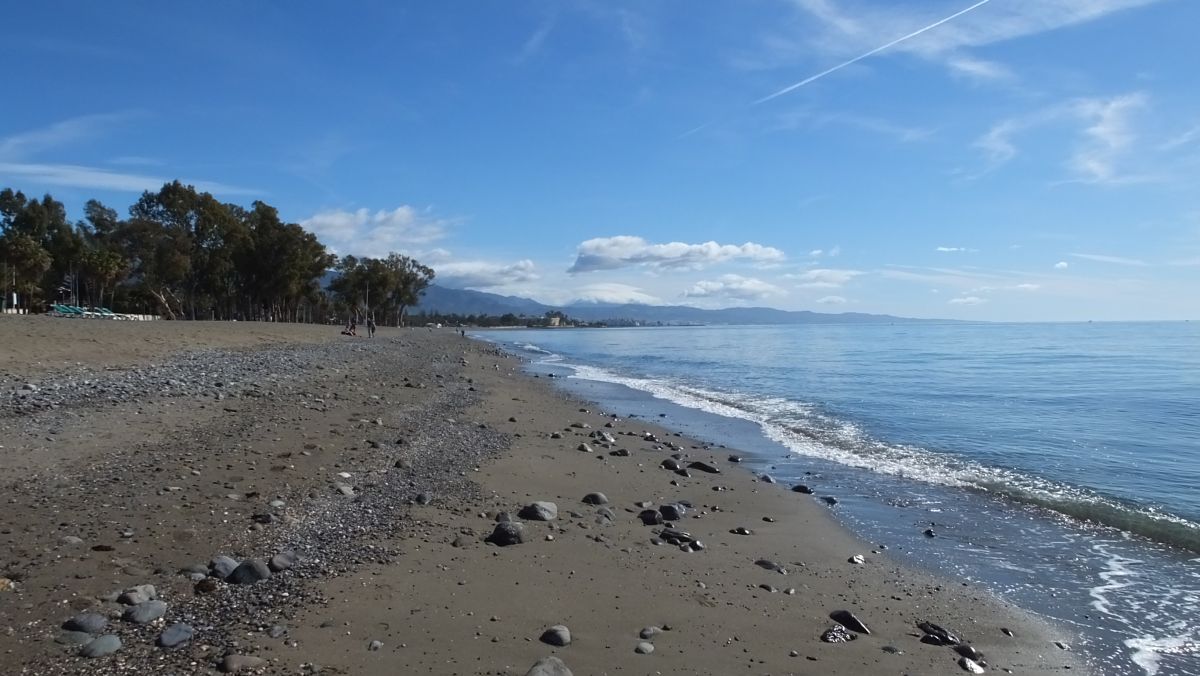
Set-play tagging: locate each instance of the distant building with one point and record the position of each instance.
(554, 321)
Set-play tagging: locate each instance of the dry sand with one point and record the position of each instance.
(418, 579)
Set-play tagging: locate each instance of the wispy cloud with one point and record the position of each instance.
(869, 53)
(807, 120)
(70, 131)
(1115, 260)
(1061, 265)
(611, 253)
(734, 287)
(954, 249)
(533, 44)
(366, 233)
(1105, 137)
(69, 175)
(967, 300)
(824, 278)
(831, 300)
(614, 292)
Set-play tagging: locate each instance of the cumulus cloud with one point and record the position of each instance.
(613, 292)
(733, 286)
(367, 233)
(832, 300)
(822, 278)
(1061, 265)
(484, 274)
(967, 300)
(611, 253)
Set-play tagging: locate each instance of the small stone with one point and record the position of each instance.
(91, 623)
(277, 631)
(584, 448)
(104, 645)
(249, 572)
(673, 511)
(801, 488)
(649, 632)
(595, 499)
(145, 612)
(848, 620)
(1062, 646)
(857, 559)
(233, 664)
(507, 533)
(374, 645)
(539, 511)
(829, 500)
(644, 648)
(549, 666)
(969, 665)
(838, 634)
(139, 594)
(558, 635)
(703, 467)
(221, 566)
(207, 586)
(767, 479)
(175, 635)
(282, 561)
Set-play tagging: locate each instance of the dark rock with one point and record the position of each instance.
(801, 488)
(829, 500)
(671, 464)
(742, 531)
(619, 453)
(91, 623)
(207, 586)
(735, 458)
(558, 635)
(969, 652)
(838, 634)
(929, 533)
(767, 479)
(649, 632)
(249, 572)
(539, 511)
(767, 564)
(145, 612)
(650, 517)
(104, 645)
(175, 635)
(423, 498)
(673, 512)
(549, 666)
(595, 499)
(703, 467)
(936, 635)
(848, 620)
(507, 533)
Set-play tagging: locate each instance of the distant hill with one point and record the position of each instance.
(443, 300)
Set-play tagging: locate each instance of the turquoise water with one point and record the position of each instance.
(1058, 463)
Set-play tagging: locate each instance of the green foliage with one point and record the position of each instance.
(184, 254)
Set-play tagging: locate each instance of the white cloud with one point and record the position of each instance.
(954, 249)
(484, 275)
(73, 130)
(835, 252)
(614, 293)
(1105, 136)
(832, 300)
(1027, 287)
(611, 253)
(363, 233)
(824, 278)
(816, 253)
(978, 69)
(967, 300)
(1116, 260)
(1061, 265)
(75, 176)
(733, 286)
(852, 26)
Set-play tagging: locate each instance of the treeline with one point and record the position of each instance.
(183, 254)
(549, 319)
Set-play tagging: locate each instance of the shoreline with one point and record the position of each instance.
(420, 420)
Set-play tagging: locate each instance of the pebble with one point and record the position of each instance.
(644, 648)
(249, 572)
(539, 511)
(145, 612)
(374, 645)
(91, 623)
(507, 533)
(175, 635)
(838, 634)
(282, 561)
(969, 665)
(850, 621)
(220, 567)
(99, 647)
(767, 479)
(558, 635)
(595, 499)
(549, 666)
(649, 632)
(139, 594)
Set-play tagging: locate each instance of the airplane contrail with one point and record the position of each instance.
(873, 52)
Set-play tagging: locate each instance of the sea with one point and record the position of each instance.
(1057, 465)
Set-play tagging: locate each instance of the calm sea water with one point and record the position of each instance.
(1058, 464)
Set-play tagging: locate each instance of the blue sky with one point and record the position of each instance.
(1000, 160)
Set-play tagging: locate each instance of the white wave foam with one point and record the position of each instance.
(1117, 568)
(1149, 650)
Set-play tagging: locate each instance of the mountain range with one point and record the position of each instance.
(447, 301)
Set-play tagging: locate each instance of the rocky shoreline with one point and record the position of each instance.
(414, 503)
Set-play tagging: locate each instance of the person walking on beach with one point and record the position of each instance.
(370, 327)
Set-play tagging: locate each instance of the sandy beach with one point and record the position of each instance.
(354, 484)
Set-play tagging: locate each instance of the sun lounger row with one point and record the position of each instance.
(90, 313)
